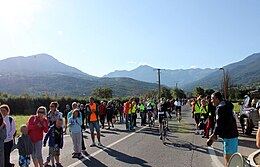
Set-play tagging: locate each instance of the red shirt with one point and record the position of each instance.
(102, 110)
(35, 132)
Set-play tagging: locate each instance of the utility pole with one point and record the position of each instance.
(224, 83)
(159, 83)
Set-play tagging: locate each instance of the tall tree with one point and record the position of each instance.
(166, 93)
(199, 91)
(178, 93)
(103, 92)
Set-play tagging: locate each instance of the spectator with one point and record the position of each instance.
(110, 113)
(225, 118)
(25, 147)
(74, 124)
(93, 121)
(54, 113)
(74, 107)
(65, 115)
(83, 113)
(37, 125)
(55, 137)
(102, 113)
(2, 138)
(10, 131)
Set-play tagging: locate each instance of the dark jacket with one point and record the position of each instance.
(226, 126)
(25, 145)
(51, 136)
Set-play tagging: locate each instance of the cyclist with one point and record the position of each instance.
(150, 111)
(162, 108)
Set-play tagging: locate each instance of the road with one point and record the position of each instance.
(143, 148)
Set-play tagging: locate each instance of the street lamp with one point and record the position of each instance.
(224, 83)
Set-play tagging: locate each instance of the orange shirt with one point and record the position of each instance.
(93, 115)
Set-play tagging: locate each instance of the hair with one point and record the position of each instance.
(55, 103)
(5, 106)
(91, 98)
(76, 110)
(218, 96)
(22, 126)
(42, 108)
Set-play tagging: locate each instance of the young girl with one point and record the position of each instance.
(74, 124)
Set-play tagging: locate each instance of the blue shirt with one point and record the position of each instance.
(75, 124)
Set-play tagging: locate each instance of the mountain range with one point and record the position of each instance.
(43, 74)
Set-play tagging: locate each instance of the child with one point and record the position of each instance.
(74, 124)
(55, 136)
(24, 146)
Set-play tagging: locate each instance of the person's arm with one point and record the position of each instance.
(31, 123)
(258, 137)
(47, 137)
(79, 121)
(45, 127)
(69, 122)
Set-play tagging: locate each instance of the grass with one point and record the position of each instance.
(20, 120)
(236, 107)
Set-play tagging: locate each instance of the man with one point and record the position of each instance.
(226, 126)
(93, 114)
(102, 113)
(128, 114)
(10, 131)
(142, 112)
(162, 108)
(197, 112)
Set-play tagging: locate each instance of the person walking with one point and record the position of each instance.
(134, 114)
(225, 117)
(10, 131)
(93, 114)
(197, 112)
(102, 113)
(37, 125)
(110, 113)
(3, 135)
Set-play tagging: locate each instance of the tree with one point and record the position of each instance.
(166, 93)
(103, 92)
(178, 93)
(199, 91)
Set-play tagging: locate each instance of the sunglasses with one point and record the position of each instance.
(52, 106)
(41, 112)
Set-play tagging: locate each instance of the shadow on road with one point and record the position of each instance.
(126, 158)
(247, 143)
(93, 162)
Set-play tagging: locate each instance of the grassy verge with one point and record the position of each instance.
(20, 120)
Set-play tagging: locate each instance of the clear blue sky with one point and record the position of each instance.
(101, 36)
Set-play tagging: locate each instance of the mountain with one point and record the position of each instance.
(168, 77)
(44, 75)
(246, 71)
(37, 65)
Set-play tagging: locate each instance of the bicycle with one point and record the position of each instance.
(151, 119)
(178, 114)
(164, 132)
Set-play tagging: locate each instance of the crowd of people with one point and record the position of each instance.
(47, 128)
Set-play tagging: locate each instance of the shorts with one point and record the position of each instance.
(230, 146)
(94, 125)
(161, 117)
(54, 151)
(37, 151)
(197, 118)
(24, 160)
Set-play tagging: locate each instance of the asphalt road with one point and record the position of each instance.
(144, 148)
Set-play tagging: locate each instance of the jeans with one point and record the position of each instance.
(128, 122)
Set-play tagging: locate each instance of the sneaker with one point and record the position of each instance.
(84, 152)
(99, 144)
(79, 156)
(75, 156)
(93, 145)
(160, 137)
(58, 165)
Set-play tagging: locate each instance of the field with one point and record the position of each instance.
(20, 120)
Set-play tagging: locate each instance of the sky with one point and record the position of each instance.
(101, 36)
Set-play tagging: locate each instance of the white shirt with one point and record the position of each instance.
(10, 129)
(177, 103)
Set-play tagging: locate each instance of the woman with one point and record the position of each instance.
(2, 138)
(37, 125)
(10, 131)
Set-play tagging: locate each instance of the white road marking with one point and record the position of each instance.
(105, 148)
(215, 160)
